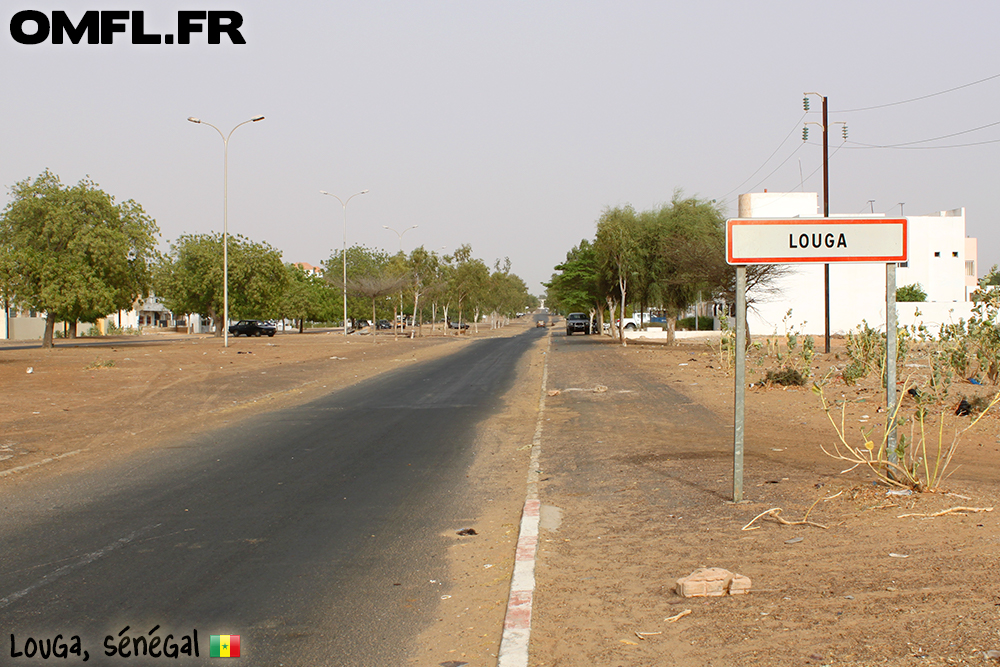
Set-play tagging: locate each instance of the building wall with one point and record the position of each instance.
(937, 255)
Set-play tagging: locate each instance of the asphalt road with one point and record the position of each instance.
(316, 533)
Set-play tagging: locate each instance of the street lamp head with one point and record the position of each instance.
(385, 227)
(363, 192)
(256, 118)
(193, 119)
(323, 192)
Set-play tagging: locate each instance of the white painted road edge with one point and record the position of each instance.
(517, 623)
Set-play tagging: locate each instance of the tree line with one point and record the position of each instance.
(666, 258)
(75, 254)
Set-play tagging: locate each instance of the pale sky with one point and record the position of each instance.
(509, 125)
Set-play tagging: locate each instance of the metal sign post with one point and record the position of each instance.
(741, 383)
(890, 361)
(816, 241)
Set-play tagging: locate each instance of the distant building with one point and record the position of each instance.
(309, 268)
(940, 257)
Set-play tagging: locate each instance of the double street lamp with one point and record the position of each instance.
(344, 203)
(225, 218)
(399, 234)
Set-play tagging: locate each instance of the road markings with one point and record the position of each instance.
(86, 559)
(42, 462)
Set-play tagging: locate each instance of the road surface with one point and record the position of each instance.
(315, 533)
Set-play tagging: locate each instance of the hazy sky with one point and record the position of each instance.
(509, 125)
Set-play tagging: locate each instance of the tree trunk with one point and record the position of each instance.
(50, 327)
(72, 330)
(413, 329)
(215, 322)
(302, 324)
(671, 329)
(621, 321)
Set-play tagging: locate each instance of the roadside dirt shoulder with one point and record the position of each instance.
(638, 460)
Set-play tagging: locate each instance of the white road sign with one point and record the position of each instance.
(815, 240)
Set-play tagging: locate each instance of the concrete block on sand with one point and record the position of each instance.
(712, 582)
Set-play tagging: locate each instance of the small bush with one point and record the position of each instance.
(687, 324)
(911, 293)
(788, 377)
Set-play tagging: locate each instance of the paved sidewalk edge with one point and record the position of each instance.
(517, 623)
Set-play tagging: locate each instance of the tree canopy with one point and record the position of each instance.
(665, 258)
(189, 278)
(74, 253)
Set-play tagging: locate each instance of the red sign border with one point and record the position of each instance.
(740, 222)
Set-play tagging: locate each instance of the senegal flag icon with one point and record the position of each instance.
(224, 646)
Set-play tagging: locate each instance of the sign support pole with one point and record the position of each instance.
(740, 398)
(891, 345)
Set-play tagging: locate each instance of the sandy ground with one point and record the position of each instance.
(637, 489)
(642, 476)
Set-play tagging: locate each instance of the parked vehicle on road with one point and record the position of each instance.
(458, 325)
(577, 323)
(252, 328)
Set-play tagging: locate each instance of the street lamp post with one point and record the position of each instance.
(225, 219)
(400, 235)
(344, 203)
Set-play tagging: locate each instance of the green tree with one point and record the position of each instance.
(423, 268)
(307, 298)
(619, 253)
(577, 287)
(189, 278)
(376, 285)
(912, 292)
(361, 262)
(468, 280)
(505, 295)
(74, 253)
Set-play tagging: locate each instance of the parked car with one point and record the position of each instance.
(252, 328)
(458, 325)
(359, 325)
(577, 323)
(383, 324)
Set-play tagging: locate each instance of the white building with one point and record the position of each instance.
(940, 258)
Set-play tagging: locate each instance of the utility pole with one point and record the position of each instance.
(826, 214)
(826, 207)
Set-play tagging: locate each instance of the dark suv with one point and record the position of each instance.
(577, 322)
(252, 328)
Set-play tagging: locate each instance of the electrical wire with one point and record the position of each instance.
(943, 136)
(921, 148)
(922, 97)
(773, 153)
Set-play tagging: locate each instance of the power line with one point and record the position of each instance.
(943, 136)
(811, 174)
(922, 97)
(756, 171)
(862, 146)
